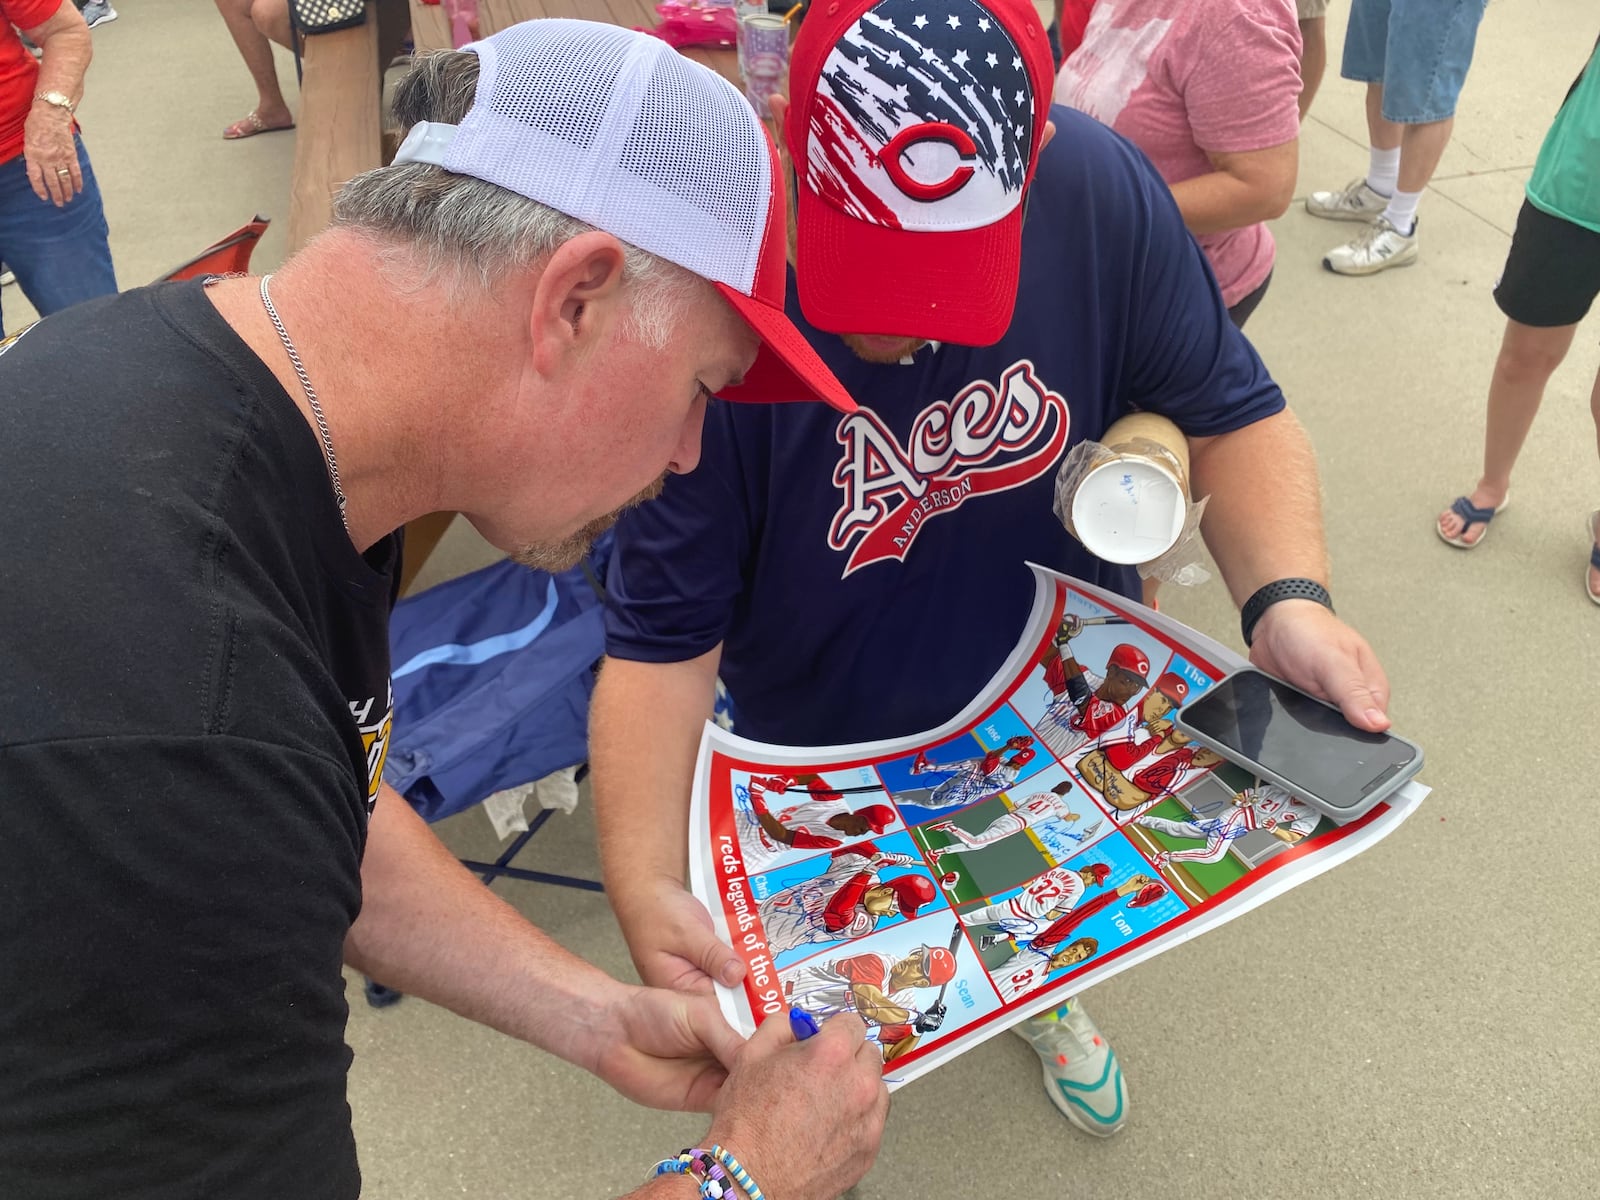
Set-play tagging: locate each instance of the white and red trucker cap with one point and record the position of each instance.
(915, 127)
(618, 130)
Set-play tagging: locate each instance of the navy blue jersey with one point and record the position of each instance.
(865, 573)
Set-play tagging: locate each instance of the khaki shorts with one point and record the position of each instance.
(1311, 9)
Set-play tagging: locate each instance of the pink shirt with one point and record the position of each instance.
(1181, 77)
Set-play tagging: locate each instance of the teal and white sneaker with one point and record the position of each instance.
(1082, 1076)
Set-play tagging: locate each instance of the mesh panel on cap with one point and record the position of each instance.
(615, 128)
(710, 154)
(560, 85)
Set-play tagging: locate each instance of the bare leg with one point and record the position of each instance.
(1421, 146)
(1420, 151)
(1385, 135)
(257, 54)
(1528, 357)
(271, 17)
(1313, 60)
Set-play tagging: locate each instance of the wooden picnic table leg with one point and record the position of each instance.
(394, 26)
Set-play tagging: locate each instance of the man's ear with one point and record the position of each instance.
(578, 295)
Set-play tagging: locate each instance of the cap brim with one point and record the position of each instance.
(786, 367)
(958, 287)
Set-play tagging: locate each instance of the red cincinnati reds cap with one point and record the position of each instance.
(879, 816)
(915, 130)
(1099, 871)
(1173, 687)
(1129, 658)
(938, 964)
(912, 891)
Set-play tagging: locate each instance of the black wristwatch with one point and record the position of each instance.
(1279, 589)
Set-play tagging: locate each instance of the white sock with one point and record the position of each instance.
(1402, 211)
(1383, 171)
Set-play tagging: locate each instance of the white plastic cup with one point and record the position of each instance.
(1128, 510)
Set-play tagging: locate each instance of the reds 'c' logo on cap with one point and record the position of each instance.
(923, 118)
(1129, 658)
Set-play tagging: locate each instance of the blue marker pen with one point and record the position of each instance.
(802, 1023)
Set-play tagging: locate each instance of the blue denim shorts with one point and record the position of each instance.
(1418, 49)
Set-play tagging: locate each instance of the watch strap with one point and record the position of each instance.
(1279, 589)
(57, 99)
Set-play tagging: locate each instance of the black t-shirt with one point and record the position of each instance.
(194, 696)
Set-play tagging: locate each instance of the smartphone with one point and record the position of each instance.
(1299, 743)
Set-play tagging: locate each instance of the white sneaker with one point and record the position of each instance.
(1081, 1074)
(7, 278)
(1357, 202)
(1376, 248)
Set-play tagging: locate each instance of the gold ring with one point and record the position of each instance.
(63, 171)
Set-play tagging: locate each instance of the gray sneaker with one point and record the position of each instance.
(1376, 248)
(1081, 1074)
(1357, 202)
(97, 12)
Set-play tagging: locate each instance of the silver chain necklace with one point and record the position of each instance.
(311, 398)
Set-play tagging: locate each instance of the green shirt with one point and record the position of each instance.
(1566, 177)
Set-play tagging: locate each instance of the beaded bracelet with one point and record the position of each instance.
(701, 1165)
(739, 1174)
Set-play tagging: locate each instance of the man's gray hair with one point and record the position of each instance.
(471, 233)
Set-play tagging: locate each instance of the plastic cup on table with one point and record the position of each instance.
(763, 57)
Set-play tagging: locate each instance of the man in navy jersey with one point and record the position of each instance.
(993, 281)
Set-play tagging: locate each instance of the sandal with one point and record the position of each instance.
(1594, 555)
(250, 125)
(1470, 515)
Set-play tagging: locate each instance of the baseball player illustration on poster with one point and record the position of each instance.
(845, 901)
(1053, 894)
(885, 994)
(1043, 953)
(1053, 805)
(970, 780)
(1265, 807)
(1048, 951)
(948, 884)
(1148, 757)
(801, 812)
(1143, 732)
(1082, 705)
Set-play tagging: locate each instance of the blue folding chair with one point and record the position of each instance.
(492, 677)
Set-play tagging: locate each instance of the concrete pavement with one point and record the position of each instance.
(1418, 1023)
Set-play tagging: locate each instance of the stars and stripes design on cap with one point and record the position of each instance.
(923, 118)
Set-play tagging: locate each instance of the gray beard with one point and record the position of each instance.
(563, 555)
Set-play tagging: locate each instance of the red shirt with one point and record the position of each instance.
(1074, 20)
(19, 74)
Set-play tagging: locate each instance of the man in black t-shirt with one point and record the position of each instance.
(520, 320)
